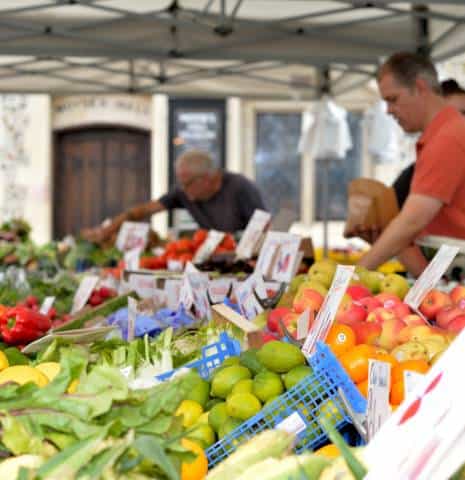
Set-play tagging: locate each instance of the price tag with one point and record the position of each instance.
(328, 310)
(86, 286)
(47, 305)
(132, 235)
(411, 380)
(303, 324)
(173, 293)
(379, 380)
(251, 237)
(284, 267)
(191, 268)
(245, 297)
(233, 317)
(219, 289)
(199, 286)
(143, 285)
(132, 314)
(431, 275)
(293, 424)
(131, 258)
(214, 238)
(267, 259)
(175, 266)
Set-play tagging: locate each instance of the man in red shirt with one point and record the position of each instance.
(436, 202)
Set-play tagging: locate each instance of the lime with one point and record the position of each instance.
(242, 405)
(203, 434)
(203, 418)
(211, 403)
(228, 426)
(191, 412)
(217, 416)
(267, 385)
(243, 386)
(200, 392)
(224, 381)
(227, 362)
(296, 375)
(280, 357)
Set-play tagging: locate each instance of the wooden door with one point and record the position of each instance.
(98, 173)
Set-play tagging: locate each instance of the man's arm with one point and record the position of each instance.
(139, 212)
(417, 213)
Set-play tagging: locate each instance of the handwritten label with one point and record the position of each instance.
(233, 317)
(293, 424)
(132, 314)
(143, 285)
(84, 291)
(131, 258)
(219, 288)
(266, 259)
(431, 275)
(248, 304)
(199, 286)
(379, 379)
(303, 324)
(47, 305)
(132, 235)
(173, 293)
(328, 310)
(214, 238)
(411, 380)
(252, 234)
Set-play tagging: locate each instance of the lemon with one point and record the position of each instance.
(203, 419)
(203, 435)
(243, 386)
(22, 374)
(296, 375)
(200, 392)
(191, 412)
(49, 369)
(3, 361)
(217, 416)
(267, 385)
(242, 405)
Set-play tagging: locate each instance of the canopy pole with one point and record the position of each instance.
(324, 88)
(422, 30)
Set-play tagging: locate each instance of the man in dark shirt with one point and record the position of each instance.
(216, 200)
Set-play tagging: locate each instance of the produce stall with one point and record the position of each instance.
(263, 368)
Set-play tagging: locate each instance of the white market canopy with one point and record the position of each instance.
(250, 48)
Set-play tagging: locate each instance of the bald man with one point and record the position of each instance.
(216, 199)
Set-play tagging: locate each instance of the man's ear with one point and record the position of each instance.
(422, 86)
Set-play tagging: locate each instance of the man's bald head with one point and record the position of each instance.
(196, 162)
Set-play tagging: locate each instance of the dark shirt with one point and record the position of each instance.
(229, 210)
(402, 183)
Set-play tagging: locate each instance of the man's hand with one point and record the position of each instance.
(95, 235)
(370, 235)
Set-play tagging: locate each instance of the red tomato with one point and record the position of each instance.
(184, 245)
(228, 242)
(199, 237)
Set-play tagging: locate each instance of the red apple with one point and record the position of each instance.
(413, 320)
(401, 310)
(351, 313)
(447, 314)
(369, 303)
(457, 294)
(365, 332)
(380, 315)
(433, 302)
(356, 292)
(307, 298)
(274, 316)
(388, 300)
(269, 337)
(290, 322)
(457, 324)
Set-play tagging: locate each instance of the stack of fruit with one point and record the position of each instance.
(243, 385)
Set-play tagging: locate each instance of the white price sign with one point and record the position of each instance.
(84, 291)
(131, 258)
(132, 314)
(47, 305)
(214, 238)
(173, 293)
(132, 235)
(143, 285)
(328, 310)
(379, 382)
(219, 289)
(252, 234)
(294, 424)
(245, 297)
(199, 286)
(303, 324)
(431, 275)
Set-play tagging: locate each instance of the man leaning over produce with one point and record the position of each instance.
(216, 200)
(436, 201)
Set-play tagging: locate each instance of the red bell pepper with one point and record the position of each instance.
(21, 325)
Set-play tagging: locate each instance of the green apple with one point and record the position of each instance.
(296, 282)
(323, 272)
(313, 285)
(395, 284)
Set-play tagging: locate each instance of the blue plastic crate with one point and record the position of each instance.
(213, 356)
(301, 406)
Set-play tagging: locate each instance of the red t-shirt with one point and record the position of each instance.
(440, 171)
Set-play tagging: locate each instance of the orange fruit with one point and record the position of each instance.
(198, 468)
(397, 393)
(329, 451)
(340, 339)
(355, 362)
(420, 366)
(385, 357)
(363, 387)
